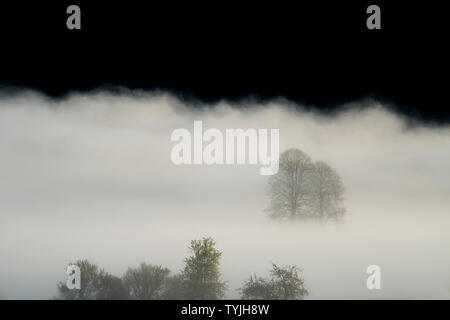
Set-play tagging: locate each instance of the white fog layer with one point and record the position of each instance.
(91, 177)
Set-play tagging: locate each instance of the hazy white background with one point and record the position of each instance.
(90, 177)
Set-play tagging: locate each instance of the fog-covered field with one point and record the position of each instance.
(90, 176)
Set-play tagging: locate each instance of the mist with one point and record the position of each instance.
(90, 176)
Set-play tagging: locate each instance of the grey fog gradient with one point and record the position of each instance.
(90, 176)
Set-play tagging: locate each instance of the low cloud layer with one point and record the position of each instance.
(90, 176)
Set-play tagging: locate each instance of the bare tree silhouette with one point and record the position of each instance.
(305, 190)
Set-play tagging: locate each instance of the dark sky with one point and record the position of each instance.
(319, 53)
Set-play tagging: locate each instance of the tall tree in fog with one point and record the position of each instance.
(284, 283)
(303, 189)
(290, 189)
(328, 192)
(201, 273)
(147, 282)
(91, 277)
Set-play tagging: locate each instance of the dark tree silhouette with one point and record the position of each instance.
(258, 288)
(284, 283)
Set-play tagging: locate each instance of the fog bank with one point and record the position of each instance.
(90, 176)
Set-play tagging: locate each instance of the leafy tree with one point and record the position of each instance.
(288, 284)
(90, 277)
(258, 288)
(201, 272)
(284, 283)
(147, 282)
